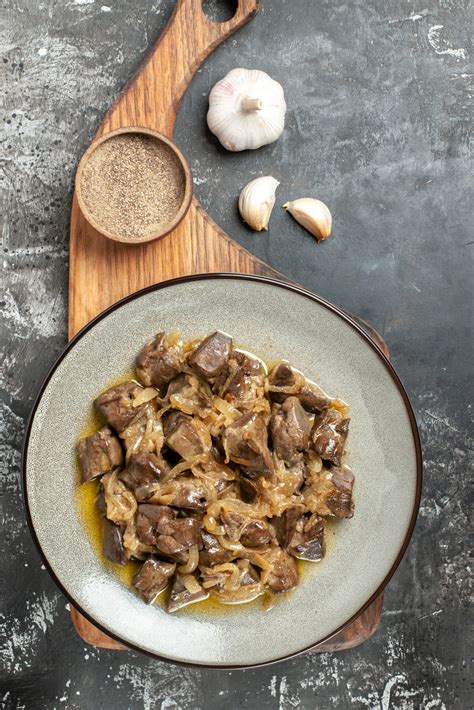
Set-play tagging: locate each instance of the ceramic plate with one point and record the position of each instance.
(274, 321)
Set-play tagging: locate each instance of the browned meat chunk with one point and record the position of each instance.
(159, 361)
(117, 405)
(142, 475)
(284, 574)
(330, 493)
(100, 502)
(312, 398)
(290, 427)
(242, 380)
(329, 435)
(285, 382)
(249, 490)
(211, 356)
(187, 493)
(256, 534)
(187, 436)
(99, 453)
(304, 535)
(246, 443)
(112, 543)
(289, 478)
(152, 578)
(340, 500)
(285, 525)
(213, 553)
(159, 526)
(185, 590)
(282, 375)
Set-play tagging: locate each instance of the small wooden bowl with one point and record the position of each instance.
(187, 178)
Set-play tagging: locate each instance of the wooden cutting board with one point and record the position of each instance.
(102, 271)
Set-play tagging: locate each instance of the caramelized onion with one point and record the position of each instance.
(145, 395)
(185, 466)
(191, 584)
(120, 502)
(193, 560)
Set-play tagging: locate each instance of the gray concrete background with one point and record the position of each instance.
(378, 127)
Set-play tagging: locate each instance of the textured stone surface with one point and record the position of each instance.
(378, 127)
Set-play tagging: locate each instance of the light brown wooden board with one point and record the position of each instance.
(102, 271)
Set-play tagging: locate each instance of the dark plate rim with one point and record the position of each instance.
(279, 284)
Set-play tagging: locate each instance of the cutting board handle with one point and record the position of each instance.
(152, 97)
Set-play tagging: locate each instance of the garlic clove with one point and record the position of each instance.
(246, 109)
(313, 215)
(256, 202)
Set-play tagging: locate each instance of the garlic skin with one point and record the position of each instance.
(256, 202)
(313, 215)
(246, 109)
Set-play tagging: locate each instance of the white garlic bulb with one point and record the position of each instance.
(256, 202)
(246, 109)
(313, 215)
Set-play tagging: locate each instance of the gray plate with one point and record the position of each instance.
(274, 321)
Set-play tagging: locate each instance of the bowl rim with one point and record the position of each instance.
(188, 185)
(242, 277)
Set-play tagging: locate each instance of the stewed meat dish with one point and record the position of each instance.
(214, 473)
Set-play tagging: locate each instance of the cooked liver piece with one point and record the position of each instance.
(329, 434)
(249, 490)
(241, 379)
(184, 436)
(311, 397)
(339, 501)
(157, 363)
(213, 553)
(100, 503)
(159, 526)
(246, 443)
(304, 535)
(99, 453)
(142, 474)
(284, 574)
(112, 543)
(187, 493)
(152, 578)
(282, 375)
(330, 493)
(256, 534)
(181, 597)
(211, 356)
(290, 427)
(116, 405)
(285, 525)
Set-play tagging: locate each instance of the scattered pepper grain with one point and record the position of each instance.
(133, 185)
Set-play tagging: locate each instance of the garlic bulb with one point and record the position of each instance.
(313, 215)
(246, 109)
(256, 202)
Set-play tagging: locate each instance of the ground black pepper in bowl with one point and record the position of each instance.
(132, 186)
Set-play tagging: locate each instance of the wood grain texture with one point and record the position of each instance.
(102, 271)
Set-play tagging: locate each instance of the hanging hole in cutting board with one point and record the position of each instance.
(220, 10)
